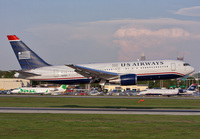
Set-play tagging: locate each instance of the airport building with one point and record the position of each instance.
(11, 83)
(139, 87)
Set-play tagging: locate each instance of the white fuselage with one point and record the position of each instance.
(37, 90)
(163, 92)
(145, 70)
(169, 92)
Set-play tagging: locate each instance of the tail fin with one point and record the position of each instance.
(192, 87)
(26, 57)
(62, 88)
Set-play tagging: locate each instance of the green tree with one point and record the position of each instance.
(7, 74)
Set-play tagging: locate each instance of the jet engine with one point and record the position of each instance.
(126, 79)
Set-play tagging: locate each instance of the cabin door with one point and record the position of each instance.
(55, 73)
(173, 66)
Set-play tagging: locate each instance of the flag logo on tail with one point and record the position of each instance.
(24, 55)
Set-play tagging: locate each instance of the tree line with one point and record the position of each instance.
(7, 74)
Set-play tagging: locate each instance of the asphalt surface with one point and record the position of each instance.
(127, 97)
(98, 111)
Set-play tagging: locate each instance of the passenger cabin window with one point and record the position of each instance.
(186, 64)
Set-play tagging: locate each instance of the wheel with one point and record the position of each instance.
(99, 89)
(105, 91)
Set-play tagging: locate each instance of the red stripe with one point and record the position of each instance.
(161, 73)
(12, 38)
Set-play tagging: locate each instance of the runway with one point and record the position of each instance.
(126, 97)
(98, 111)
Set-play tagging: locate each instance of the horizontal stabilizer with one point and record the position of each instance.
(27, 74)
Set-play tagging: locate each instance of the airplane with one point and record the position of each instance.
(189, 91)
(39, 90)
(123, 73)
(169, 92)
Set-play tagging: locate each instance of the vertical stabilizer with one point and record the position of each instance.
(26, 57)
(62, 87)
(192, 87)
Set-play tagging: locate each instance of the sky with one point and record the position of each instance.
(93, 31)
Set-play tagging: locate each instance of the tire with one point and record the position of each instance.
(105, 91)
(99, 89)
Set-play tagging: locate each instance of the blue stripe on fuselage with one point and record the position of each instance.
(157, 77)
(140, 78)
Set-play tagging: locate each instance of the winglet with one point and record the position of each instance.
(13, 38)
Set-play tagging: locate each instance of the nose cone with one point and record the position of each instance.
(190, 70)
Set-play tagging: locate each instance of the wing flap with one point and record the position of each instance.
(94, 73)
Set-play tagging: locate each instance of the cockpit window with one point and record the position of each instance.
(186, 64)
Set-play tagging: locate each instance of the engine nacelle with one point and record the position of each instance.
(127, 79)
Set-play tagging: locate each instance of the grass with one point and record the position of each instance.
(99, 103)
(109, 126)
(98, 126)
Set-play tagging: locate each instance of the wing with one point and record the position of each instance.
(95, 74)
